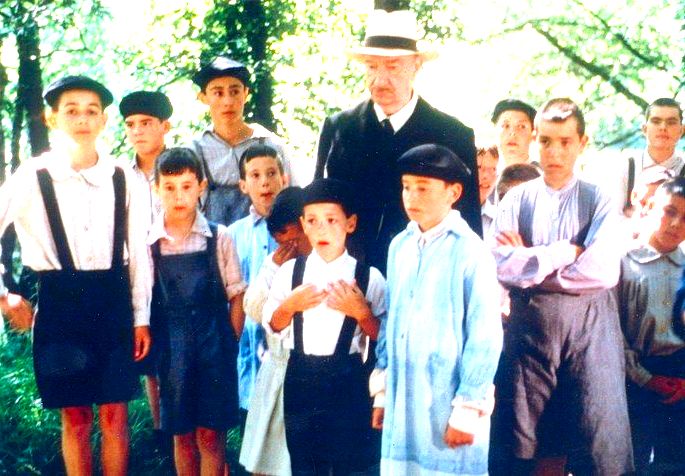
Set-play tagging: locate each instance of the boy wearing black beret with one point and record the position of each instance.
(438, 351)
(513, 119)
(224, 89)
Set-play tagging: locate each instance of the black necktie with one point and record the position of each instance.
(387, 126)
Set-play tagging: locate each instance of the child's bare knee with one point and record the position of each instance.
(209, 440)
(113, 417)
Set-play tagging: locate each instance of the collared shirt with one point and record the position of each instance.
(552, 257)
(222, 158)
(86, 202)
(649, 281)
(153, 206)
(227, 258)
(488, 213)
(321, 324)
(253, 242)
(401, 117)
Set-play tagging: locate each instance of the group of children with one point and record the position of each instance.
(130, 269)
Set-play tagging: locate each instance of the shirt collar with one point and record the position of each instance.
(401, 117)
(158, 231)
(59, 166)
(258, 132)
(317, 262)
(552, 192)
(256, 217)
(451, 223)
(669, 163)
(489, 209)
(646, 254)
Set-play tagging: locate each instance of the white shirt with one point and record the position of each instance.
(321, 324)
(86, 202)
(401, 117)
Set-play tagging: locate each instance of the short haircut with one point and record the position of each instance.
(286, 210)
(559, 110)
(664, 102)
(258, 150)
(176, 161)
(674, 186)
(490, 149)
(515, 174)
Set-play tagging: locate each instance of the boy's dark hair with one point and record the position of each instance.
(674, 186)
(559, 110)
(490, 149)
(258, 150)
(286, 209)
(664, 102)
(177, 160)
(515, 174)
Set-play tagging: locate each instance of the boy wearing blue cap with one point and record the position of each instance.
(224, 89)
(438, 351)
(325, 307)
(80, 228)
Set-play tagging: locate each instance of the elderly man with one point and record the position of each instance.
(362, 145)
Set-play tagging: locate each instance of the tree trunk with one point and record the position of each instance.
(30, 86)
(263, 96)
(391, 5)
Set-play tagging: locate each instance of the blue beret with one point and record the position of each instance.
(68, 83)
(327, 190)
(513, 105)
(220, 67)
(150, 103)
(435, 161)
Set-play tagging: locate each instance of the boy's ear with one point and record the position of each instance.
(50, 119)
(456, 190)
(351, 223)
(243, 186)
(583, 142)
(202, 96)
(166, 126)
(286, 180)
(203, 185)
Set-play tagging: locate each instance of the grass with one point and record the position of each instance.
(30, 436)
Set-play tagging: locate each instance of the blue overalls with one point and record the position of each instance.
(83, 333)
(198, 349)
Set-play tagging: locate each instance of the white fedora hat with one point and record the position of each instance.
(392, 34)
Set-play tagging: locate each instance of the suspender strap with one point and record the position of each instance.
(586, 211)
(631, 182)
(342, 348)
(298, 275)
(120, 222)
(59, 236)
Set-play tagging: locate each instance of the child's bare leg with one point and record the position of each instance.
(114, 428)
(76, 426)
(152, 391)
(186, 456)
(212, 446)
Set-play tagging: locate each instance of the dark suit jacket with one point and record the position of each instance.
(354, 148)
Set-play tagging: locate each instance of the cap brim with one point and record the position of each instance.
(361, 52)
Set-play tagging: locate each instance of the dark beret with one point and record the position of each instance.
(513, 105)
(68, 83)
(220, 67)
(150, 103)
(287, 208)
(432, 160)
(327, 190)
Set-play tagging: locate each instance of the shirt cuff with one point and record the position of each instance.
(232, 290)
(561, 253)
(472, 416)
(141, 318)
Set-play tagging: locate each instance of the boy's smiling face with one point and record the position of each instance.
(263, 180)
(79, 115)
(179, 195)
(668, 213)
(327, 227)
(428, 200)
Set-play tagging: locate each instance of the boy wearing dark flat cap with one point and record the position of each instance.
(513, 119)
(224, 88)
(325, 307)
(438, 351)
(146, 122)
(79, 224)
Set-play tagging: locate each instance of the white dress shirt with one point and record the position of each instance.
(321, 324)
(401, 117)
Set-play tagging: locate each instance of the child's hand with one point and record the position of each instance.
(348, 299)
(141, 343)
(510, 238)
(664, 386)
(285, 252)
(18, 311)
(677, 388)
(454, 437)
(303, 297)
(377, 416)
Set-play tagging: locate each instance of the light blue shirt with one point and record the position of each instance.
(441, 343)
(254, 243)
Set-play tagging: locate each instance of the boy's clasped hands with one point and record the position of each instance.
(339, 295)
